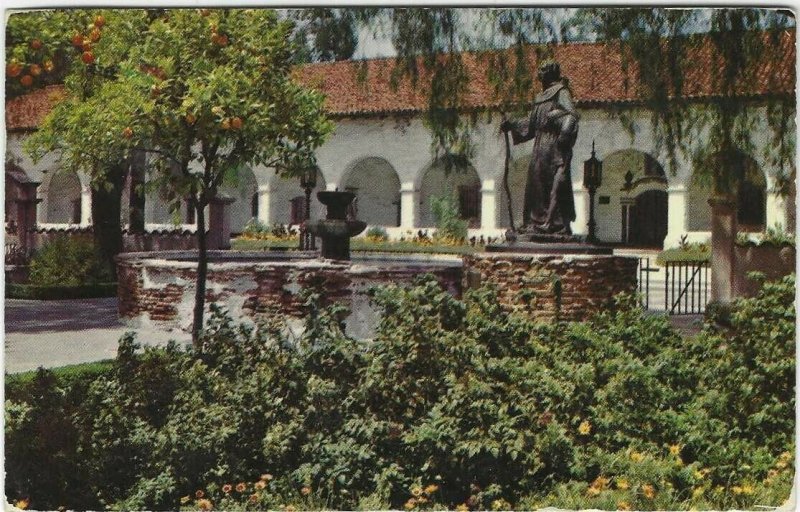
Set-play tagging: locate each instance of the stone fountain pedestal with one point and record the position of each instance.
(336, 229)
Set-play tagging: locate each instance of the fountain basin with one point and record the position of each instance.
(156, 289)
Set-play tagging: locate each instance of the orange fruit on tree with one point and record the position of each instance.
(99, 21)
(36, 44)
(222, 40)
(94, 35)
(77, 39)
(190, 118)
(87, 57)
(204, 12)
(35, 70)
(127, 132)
(226, 124)
(26, 80)
(13, 69)
(236, 123)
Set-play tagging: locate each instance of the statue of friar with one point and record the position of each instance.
(553, 125)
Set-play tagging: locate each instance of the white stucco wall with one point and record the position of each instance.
(388, 160)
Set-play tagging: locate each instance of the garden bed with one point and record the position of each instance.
(358, 244)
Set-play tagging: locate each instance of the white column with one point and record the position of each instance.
(488, 205)
(676, 215)
(409, 205)
(86, 205)
(776, 210)
(580, 226)
(264, 192)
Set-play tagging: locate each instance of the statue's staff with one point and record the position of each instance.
(505, 182)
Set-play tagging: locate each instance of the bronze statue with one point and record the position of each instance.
(549, 205)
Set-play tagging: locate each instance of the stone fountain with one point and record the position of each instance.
(336, 229)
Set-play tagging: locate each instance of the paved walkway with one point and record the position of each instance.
(62, 332)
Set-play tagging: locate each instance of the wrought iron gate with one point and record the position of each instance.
(683, 291)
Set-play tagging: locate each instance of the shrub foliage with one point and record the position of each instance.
(68, 261)
(455, 403)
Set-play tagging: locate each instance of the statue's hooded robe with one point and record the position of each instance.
(549, 204)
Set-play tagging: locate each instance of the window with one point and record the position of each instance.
(297, 210)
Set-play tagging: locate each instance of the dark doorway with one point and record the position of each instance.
(649, 219)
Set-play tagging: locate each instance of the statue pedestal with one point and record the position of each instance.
(541, 243)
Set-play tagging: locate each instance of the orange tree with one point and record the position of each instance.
(201, 92)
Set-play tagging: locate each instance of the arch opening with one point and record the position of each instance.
(243, 188)
(287, 200)
(463, 186)
(64, 198)
(377, 188)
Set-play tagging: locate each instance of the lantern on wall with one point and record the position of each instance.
(592, 179)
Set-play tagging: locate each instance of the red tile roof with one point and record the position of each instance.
(594, 70)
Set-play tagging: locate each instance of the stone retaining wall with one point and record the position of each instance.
(157, 289)
(569, 287)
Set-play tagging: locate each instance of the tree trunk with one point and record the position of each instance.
(202, 271)
(106, 211)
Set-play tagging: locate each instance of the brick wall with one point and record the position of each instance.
(159, 289)
(550, 287)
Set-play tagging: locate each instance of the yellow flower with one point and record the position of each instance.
(736, 489)
(623, 505)
(260, 485)
(416, 491)
(637, 457)
(227, 488)
(785, 456)
(23, 503)
(697, 492)
(462, 508)
(648, 491)
(431, 489)
(600, 482)
(266, 477)
(698, 474)
(592, 491)
(289, 508)
(675, 449)
(501, 504)
(204, 504)
(771, 474)
(241, 487)
(747, 489)
(185, 500)
(622, 484)
(585, 427)
(781, 464)
(410, 504)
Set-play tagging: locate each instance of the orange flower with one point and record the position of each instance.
(241, 487)
(254, 498)
(23, 503)
(431, 489)
(199, 494)
(305, 491)
(205, 504)
(266, 477)
(648, 491)
(410, 504)
(622, 484)
(260, 485)
(584, 428)
(227, 488)
(623, 505)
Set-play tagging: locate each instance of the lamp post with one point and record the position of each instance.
(308, 180)
(592, 179)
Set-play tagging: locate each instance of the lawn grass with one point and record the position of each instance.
(64, 374)
(678, 254)
(358, 245)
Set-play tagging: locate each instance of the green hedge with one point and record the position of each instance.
(455, 403)
(19, 385)
(39, 292)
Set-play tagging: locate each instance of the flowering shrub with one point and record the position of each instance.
(257, 230)
(455, 404)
